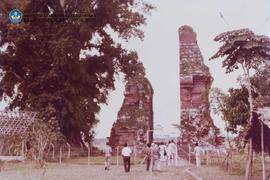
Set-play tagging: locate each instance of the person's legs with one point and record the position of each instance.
(148, 161)
(128, 164)
(125, 163)
(198, 161)
(173, 159)
(158, 165)
(106, 162)
(153, 164)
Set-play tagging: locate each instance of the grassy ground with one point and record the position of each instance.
(78, 170)
(74, 169)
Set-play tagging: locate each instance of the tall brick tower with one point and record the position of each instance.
(134, 124)
(195, 83)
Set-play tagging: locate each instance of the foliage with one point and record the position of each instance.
(242, 47)
(65, 70)
(39, 138)
(190, 67)
(261, 84)
(217, 100)
(136, 115)
(200, 127)
(11, 145)
(234, 108)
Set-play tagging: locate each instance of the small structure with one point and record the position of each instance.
(13, 127)
(265, 113)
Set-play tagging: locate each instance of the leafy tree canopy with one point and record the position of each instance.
(234, 108)
(42, 67)
(242, 47)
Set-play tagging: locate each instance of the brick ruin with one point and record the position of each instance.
(195, 83)
(135, 118)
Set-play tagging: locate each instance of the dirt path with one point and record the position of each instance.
(93, 172)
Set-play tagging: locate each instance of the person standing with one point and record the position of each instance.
(108, 155)
(169, 153)
(163, 153)
(156, 157)
(197, 151)
(149, 157)
(126, 153)
(172, 148)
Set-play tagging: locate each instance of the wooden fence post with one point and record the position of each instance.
(189, 158)
(117, 153)
(60, 156)
(207, 157)
(52, 150)
(88, 154)
(68, 150)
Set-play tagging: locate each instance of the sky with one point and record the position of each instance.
(159, 53)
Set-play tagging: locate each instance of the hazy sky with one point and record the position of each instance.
(160, 51)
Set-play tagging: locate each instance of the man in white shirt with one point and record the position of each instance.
(172, 148)
(197, 151)
(126, 153)
(108, 155)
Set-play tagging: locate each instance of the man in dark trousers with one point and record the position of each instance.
(126, 153)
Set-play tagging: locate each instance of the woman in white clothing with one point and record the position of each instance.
(197, 151)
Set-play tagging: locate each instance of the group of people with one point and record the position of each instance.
(126, 154)
(155, 155)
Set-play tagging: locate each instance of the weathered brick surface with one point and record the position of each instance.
(135, 117)
(195, 83)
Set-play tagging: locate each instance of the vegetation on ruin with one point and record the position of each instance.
(193, 67)
(136, 117)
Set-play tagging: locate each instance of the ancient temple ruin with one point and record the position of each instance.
(134, 124)
(195, 83)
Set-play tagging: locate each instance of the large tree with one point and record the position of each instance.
(64, 69)
(245, 49)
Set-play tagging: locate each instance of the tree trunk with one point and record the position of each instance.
(249, 162)
(262, 147)
(248, 172)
